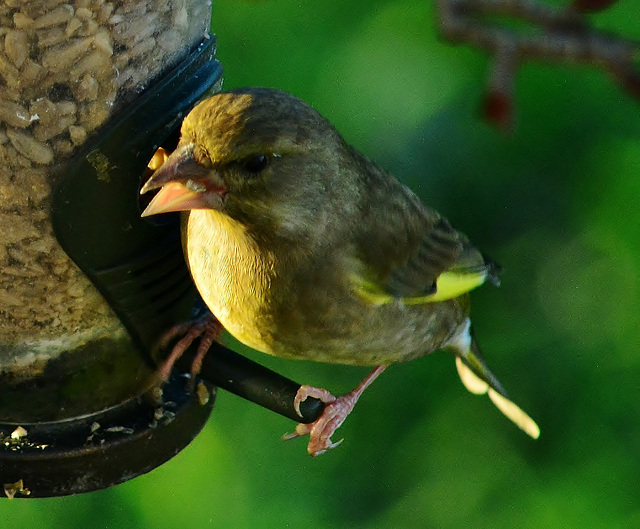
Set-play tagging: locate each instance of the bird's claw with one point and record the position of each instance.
(333, 415)
(304, 392)
(207, 327)
(321, 430)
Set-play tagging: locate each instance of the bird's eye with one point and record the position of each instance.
(256, 164)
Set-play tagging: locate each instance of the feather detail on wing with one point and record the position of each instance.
(406, 250)
(442, 266)
(449, 285)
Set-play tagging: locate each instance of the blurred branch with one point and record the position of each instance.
(560, 35)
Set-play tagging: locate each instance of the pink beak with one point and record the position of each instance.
(184, 184)
(175, 196)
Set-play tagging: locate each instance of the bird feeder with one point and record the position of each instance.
(89, 89)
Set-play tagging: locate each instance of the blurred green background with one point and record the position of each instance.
(556, 203)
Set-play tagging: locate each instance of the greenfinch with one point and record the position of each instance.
(303, 248)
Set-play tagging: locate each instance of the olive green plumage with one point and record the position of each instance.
(304, 248)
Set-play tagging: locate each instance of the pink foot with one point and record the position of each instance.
(335, 412)
(207, 326)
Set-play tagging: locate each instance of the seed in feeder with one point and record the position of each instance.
(27, 146)
(84, 13)
(9, 72)
(22, 21)
(51, 37)
(31, 73)
(43, 132)
(72, 26)
(77, 134)
(59, 15)
(86, 89)
(95, 63)
(102, 41)
(63, 56)
(16, 46)
(15, 115)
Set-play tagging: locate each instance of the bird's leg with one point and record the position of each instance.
(207, 326)
(334, 414)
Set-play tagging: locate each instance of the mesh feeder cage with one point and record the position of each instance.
(89, 89)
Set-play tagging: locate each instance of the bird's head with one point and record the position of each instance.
(260, 155)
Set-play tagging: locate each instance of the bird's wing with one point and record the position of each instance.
(413, 253)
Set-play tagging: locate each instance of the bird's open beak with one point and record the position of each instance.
(179, 179)
(174, 196)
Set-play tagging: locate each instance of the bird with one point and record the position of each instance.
(303, 248)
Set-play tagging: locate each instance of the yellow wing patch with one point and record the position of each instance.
(449, 285)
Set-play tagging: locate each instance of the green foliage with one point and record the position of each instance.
(556, 204)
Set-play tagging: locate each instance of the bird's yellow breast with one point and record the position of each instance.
(230, 273)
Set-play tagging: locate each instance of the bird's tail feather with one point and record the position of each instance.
(478, 379)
